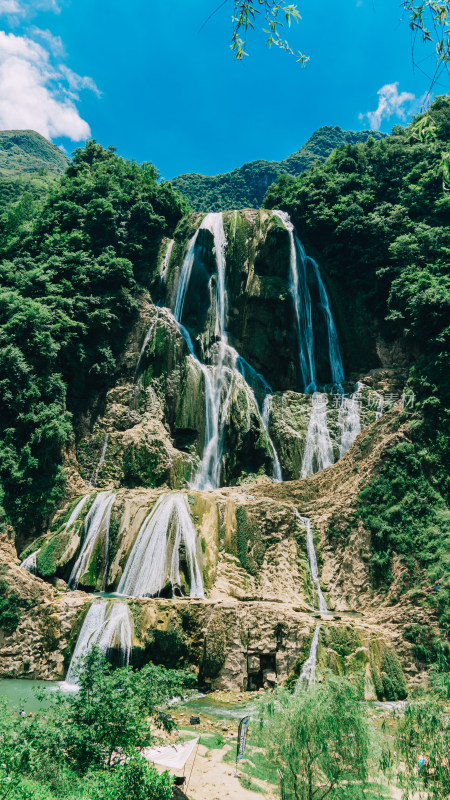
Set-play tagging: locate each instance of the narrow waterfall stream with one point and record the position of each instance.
(108, 624)
(29, 563)
(308, 673)
(94, 477)
(96, 528)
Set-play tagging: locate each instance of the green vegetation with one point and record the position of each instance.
(11, 608)
(70, 277)
(423, 747)
(379, 214)
(70, 749)
(318, 740)
(246, 186)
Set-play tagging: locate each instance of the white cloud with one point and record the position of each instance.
(10, 7)
(36, 94)
(27, 7)
(77, 82)
(54, 43)
(390, 103)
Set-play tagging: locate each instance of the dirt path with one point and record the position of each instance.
(213, 779)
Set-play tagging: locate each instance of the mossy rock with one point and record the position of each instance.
(387, 673)
(214, 652)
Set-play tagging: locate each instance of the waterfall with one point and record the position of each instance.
(227, 365)
(318, 452)
(312, 561)
(93, 481)
(300, 264)
(349, 420)
(96, 527)
(298, 286)
(265, 419)
(148, 337)
(29, 563)
(155, 556)
(108, 624)
(166, 260)
(76, 511)
(308, 673)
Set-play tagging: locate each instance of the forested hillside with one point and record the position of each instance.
(246, 186)
(70, 276)
(378, 213)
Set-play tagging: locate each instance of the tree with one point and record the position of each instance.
(423, 745)
(429, 20)
(318, 740)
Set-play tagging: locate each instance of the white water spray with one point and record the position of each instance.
(96, 528)
(77, 511)
(349, 420)
(108, 624)
(94, 478)
(166, 260)
(300, 266)
(318, 452)
(312, 561)
(29, 563)
(227, 368)
(308, 673)
(155, 556)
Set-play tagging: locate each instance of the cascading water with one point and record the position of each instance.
(29, 563)
(166, 260)
(109, 625)
(318, 452)
(77, 511)
(349, 420)
(312, 561)
(227, 367)
(96, 527)
(155, 556)
(94, 478)
(308, 673)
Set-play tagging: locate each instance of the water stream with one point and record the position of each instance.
(96, 528)
(155, 556)
(108, 624)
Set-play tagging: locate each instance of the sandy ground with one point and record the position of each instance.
(212, 779)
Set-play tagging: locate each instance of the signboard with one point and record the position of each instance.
(242, 738)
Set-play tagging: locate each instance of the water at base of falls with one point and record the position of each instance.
(29, 563)
(109, 625)
(155, 556)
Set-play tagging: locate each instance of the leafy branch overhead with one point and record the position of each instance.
(275, 14)
(428, 19)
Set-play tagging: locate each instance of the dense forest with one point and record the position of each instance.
(246, 186)
(70, 273)
(378, 213)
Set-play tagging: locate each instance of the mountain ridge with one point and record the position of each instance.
(245, 186)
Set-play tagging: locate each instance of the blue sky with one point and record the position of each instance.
(140, 76)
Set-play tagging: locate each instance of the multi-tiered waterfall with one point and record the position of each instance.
(166, 551)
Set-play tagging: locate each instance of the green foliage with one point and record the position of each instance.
(69, 280)
(423, 745)
(246, 186)
(250, 545)
(133, 780)
(11, 608)
(70, 748)
(378, 213)
(387, 673)
(318, 740)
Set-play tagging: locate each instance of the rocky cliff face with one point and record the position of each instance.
(147, 438)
